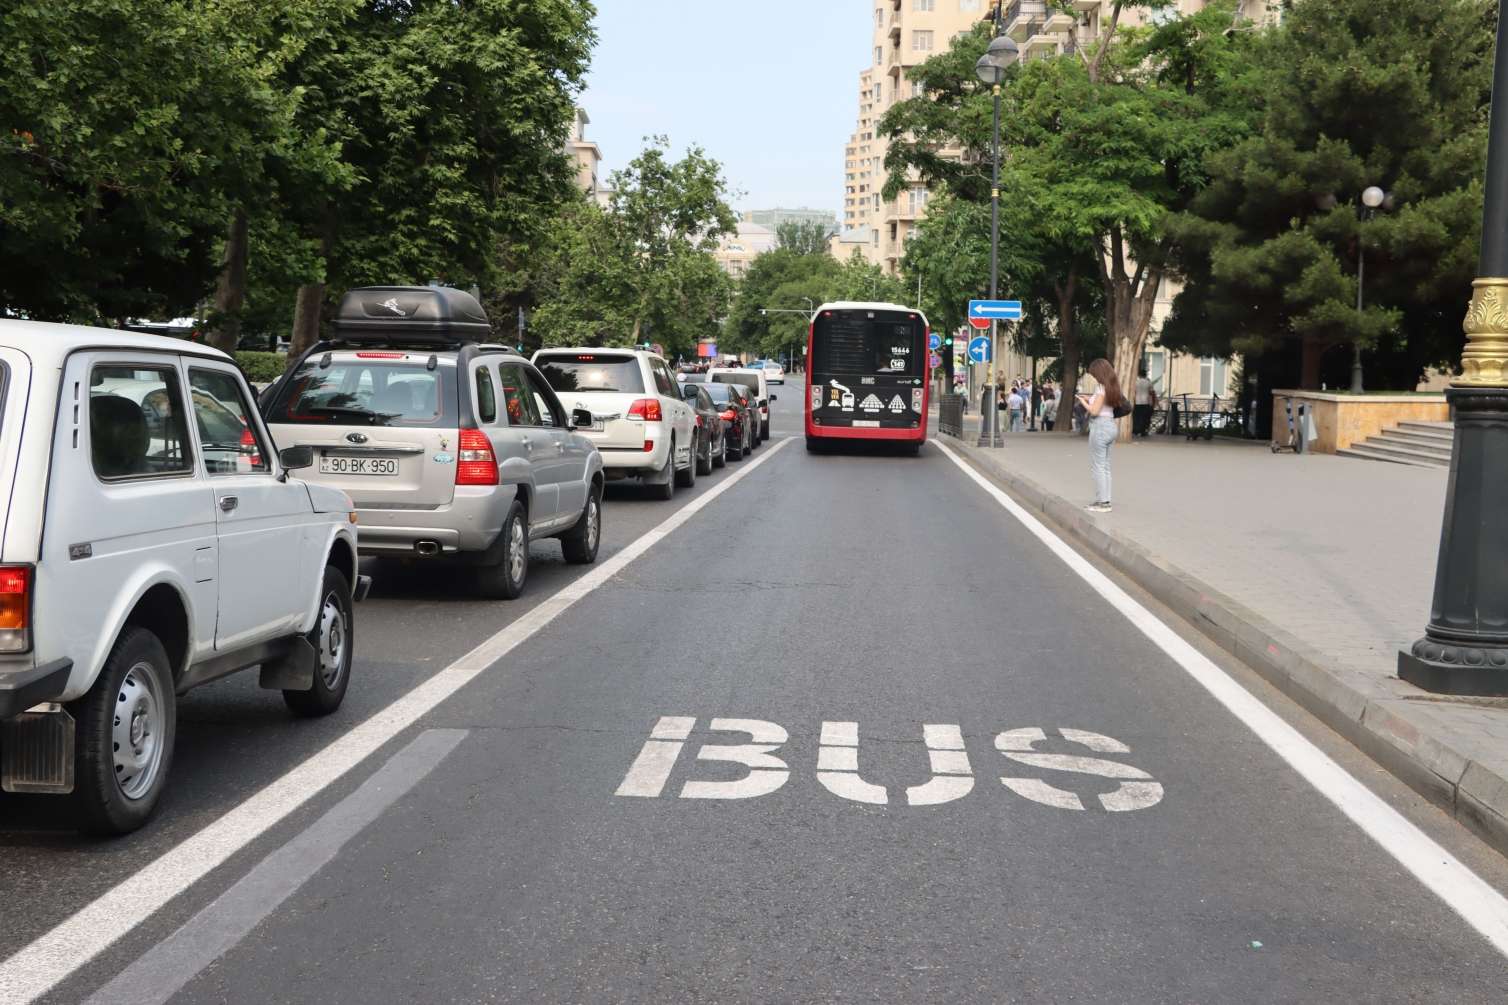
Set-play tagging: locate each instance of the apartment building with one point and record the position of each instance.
(904, 34)
(585, 155)
(773, 218)
(735, 252)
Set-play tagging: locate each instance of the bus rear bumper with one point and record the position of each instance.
(892, 433)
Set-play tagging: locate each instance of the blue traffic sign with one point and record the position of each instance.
(979, 348)
(995, 310)
(934, 341)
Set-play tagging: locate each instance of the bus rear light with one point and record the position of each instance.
(645, 410)
(15, 608)
(476, 463)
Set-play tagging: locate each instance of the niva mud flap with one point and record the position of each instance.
(292, 671)
(36, 751)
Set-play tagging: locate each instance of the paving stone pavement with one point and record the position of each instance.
(1314, 569)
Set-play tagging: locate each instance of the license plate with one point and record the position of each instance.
(385, 466)
(866, 422)
(597, 426)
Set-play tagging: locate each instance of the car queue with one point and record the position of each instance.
(194, 530)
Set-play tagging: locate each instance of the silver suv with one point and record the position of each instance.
(452, 449)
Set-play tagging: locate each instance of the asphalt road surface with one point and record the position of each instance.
(824, 728)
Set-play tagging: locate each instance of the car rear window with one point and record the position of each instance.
(585, 371)
(720, 393)
(368, 392)
(749, 380)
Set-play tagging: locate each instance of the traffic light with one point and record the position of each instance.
(948, 340)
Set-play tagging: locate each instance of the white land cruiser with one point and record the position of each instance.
(151, 541)
(640, 423)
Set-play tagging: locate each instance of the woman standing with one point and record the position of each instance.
(1101, 407)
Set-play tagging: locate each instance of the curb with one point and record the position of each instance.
(1364, 710)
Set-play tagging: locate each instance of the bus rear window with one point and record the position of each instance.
(364, 392)
(586, 371)
(856, 342)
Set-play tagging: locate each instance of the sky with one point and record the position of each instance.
(770, 89)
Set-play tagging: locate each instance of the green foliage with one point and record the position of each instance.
(1349, 94)
(365, 141)
(643, 269)
(262, 367)
(804, 238)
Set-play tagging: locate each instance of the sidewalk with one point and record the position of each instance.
(1314, 570)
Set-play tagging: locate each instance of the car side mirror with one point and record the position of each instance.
(294, 458)
(580, 417)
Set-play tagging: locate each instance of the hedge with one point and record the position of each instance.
(262, 367)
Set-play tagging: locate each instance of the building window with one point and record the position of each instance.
(917, 90)
(1211, 376)
(921, 41)
(922, 4)
(879, 55)
(968, 5)
(1155, 362)
(879, 17)
(918, 201)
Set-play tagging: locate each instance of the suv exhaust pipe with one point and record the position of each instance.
(428, 549)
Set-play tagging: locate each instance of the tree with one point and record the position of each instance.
(803, 237)
(643, 269)
(1103, 144)
(454, 118)
(135, 129)
(1349, 95)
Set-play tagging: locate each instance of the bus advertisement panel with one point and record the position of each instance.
(867, 374)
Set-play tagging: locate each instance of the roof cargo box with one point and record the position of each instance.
(419, 314)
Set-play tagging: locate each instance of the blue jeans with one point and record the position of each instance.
(1102, 433)
(1016, 420)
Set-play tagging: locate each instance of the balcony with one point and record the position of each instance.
(1023, 17)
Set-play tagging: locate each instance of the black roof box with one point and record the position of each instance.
(411, 313)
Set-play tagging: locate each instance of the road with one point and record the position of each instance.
(650, 793)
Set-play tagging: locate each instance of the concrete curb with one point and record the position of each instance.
(1373, 714)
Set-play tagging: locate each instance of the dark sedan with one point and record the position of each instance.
(711, 449)
(739, 431)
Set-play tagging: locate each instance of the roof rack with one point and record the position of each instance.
(411, 318)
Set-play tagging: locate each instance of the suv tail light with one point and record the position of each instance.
(249, 448)
(730, 415)
(645, 410)
(15, 608)
(476, 465)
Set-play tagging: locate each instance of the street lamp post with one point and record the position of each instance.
(1371, 198)
(991, 70)
(1465, 646)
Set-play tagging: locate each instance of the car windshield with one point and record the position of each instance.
(365, 391)
(587, 371)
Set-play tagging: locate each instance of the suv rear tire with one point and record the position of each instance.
(131, 705)
(579, 544)
(506, 564)
(334, 640)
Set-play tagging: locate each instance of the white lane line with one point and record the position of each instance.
(1466, 893)
(73, 942)
(203, 939)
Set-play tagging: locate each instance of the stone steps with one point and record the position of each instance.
(1421, 444)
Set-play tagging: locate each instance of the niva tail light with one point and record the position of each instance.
(15, 608)
(475, 464)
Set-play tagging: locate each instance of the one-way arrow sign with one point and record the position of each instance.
(995, 310)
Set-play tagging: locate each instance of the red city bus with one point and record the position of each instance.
(867, 375)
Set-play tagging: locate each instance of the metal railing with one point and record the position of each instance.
(950, 414)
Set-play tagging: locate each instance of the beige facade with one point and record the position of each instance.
(737, 251)
(904, 34)
(585, 155)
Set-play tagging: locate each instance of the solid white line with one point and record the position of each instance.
(230, 917)
(53, 956)
(1466, 893)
